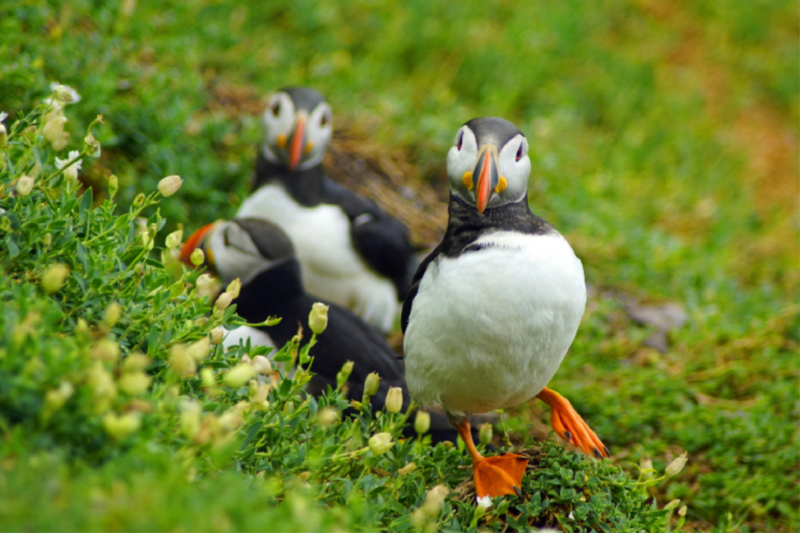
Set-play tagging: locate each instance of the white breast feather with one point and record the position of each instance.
(489, 329)
(330, 266)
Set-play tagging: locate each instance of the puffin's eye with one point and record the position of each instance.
(276, 108)
(225, 238)
(519, 152)
(324, 120)
(460, 140)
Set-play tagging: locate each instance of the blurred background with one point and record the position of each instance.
(663, 138)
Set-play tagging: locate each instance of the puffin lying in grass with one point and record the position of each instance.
(351, 253)
(262, 257)
(494, 308)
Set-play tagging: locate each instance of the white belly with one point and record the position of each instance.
(489, 329)
(330, 266)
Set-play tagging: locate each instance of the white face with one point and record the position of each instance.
(513, 168)
(281, 121)
(232, 253)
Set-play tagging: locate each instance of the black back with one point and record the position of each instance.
(277, 291)
(465, 226)
(380, 239)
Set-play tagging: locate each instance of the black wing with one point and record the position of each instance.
(379, 238)
(414, 287)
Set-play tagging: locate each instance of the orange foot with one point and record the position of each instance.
(569, 424)
(494, 476)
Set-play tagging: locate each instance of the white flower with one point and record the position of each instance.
(381, 443)
(70, 171)
(483, 502)
(64, 93)
(24, 184)
(318, 318)
(261, 365)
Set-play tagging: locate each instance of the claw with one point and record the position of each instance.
(564, 416)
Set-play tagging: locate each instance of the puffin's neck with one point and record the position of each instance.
(465, 224)
(305, 186)
(265, 293)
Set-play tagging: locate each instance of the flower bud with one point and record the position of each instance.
(677, 465)
(207, 377)
(113, 314)
(344, 373)
(239, 375)
(646, 468)
(119, 427)
(139, 200)
(135, 362)
(223, 302)
(410, 467)
(47, 240)
(65, 94)
(261, 365)
(198, 257)
(394, 399)
(371, 384)
(105, 350)
(169, 185)
(485, 433)
(217, 334)
(91, 146)
(56, 398)
(682, 511)
(113, 186)
(434, 500)
(134, 383)
(199, 350)
(422, 422)
(318, 318)
(102, 385)
(181, 362)
(327, 417)
(672, 505)
(54, 277)
(3, 136)
(53, 129)
(174, 239)
(358, 406)
(234, 287)
(381, 443)
(24, 183)
(190, 418)
(204, 281)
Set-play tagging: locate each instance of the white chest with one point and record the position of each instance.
(330, 266)
(489, 328)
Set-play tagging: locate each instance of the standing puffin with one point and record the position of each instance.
(262, 257)
(494, 308)
(350, 251)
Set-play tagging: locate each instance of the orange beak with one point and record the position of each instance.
(297, 143)
(194, 240)
(486, 170)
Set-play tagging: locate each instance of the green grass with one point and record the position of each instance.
(663, 139)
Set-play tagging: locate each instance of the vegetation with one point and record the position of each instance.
(664, 146)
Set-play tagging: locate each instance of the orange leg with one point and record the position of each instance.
(569, 424)
(494, 476)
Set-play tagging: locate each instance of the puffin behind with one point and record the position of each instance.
(262, 256)
(350, 251)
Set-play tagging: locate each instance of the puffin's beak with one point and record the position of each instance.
(486, 171)
(298, 141)
(195, 240)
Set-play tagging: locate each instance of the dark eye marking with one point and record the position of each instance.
(460, 140)
(519, 152)
(324, 120)
(276, 108)
(225, 238)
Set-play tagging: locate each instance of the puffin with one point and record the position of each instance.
(262, 256)
(493, 309)
(350, 251)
